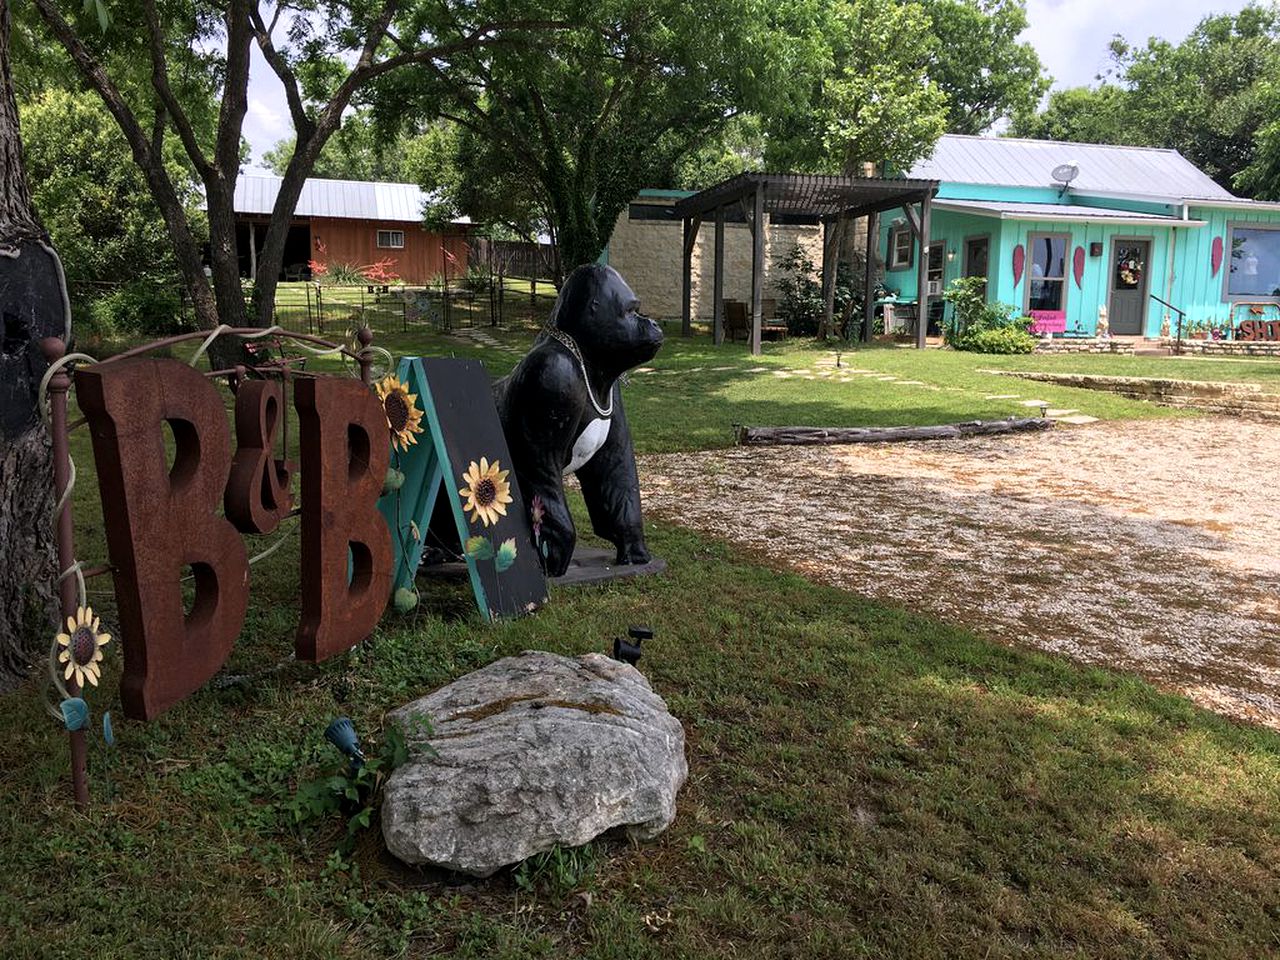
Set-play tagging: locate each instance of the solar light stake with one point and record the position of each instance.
(342, 734)
(628, 651)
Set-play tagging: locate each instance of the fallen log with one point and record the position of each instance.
(765, 436)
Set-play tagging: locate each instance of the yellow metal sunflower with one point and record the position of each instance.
(404, 419)
(82, 647)
(487, 491)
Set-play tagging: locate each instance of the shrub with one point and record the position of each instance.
(340, 275)
(142, 308)
(476, 279)
(800, 286)
(982, 327)
(1000, 340)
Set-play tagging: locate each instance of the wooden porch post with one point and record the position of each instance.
(868, 305)
(922, 276)
(717, 330)
(757, 268)
(691, 226)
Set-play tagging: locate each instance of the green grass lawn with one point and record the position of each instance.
(699, 391)
(864, 782)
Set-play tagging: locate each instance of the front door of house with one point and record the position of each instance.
(977, 252)
(1128, 306)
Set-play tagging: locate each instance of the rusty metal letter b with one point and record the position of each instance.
(346, 545)
(160, 520)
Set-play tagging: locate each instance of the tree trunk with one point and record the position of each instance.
(817, 436)
(32, 306)
(271, 258)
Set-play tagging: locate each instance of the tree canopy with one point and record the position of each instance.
(597, 111)
(1212, 96)
(97, 209)
(864, 93)
(160, 64)
(987, 73)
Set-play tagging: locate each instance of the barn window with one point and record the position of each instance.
(391, 239)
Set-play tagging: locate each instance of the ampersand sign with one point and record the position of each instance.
(258, 496)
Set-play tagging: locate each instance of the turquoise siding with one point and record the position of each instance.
(1179, 269)
(1197, 290)
(952, 229)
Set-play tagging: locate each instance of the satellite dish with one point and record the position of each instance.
(1064, 173)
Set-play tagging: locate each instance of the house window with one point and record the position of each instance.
(1047, 280)
(391, 239)
(1254, 264)
(900, 248)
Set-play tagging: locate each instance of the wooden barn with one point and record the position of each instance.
(349, 222)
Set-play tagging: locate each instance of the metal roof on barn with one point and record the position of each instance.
(340, 199)
(1104, 169)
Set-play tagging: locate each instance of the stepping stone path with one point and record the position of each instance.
(827, 370)
(484, 339)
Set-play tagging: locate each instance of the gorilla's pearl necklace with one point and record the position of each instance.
(571, 345)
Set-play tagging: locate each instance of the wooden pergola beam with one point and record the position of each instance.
(828, 199)
(717, 322)
(922, 276)
(868, 304)
(757, 268)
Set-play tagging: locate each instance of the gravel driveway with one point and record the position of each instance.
(1151, 546)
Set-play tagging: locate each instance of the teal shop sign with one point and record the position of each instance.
(451, 485)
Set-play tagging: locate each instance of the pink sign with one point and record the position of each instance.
(1216, 255)
(1019, 259)
(1077, 266)
(1048, 321)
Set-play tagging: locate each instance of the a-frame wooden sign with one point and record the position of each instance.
(462, 454)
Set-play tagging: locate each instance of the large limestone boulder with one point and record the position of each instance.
(533, 752)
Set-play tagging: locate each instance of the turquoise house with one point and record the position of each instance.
(1069, 232)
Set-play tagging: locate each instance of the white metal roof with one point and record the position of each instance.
(342, 199)
(1063, 212)
(1007, 161)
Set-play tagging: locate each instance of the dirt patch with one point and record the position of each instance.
(1151, 546)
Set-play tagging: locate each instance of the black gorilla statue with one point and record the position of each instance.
(561, 411)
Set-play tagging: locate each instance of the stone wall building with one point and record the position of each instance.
(646, 246)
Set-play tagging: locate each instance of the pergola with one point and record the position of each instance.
(833, 200)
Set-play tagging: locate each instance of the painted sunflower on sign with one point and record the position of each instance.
(404, 419)
(82, 647)
(487, 491)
